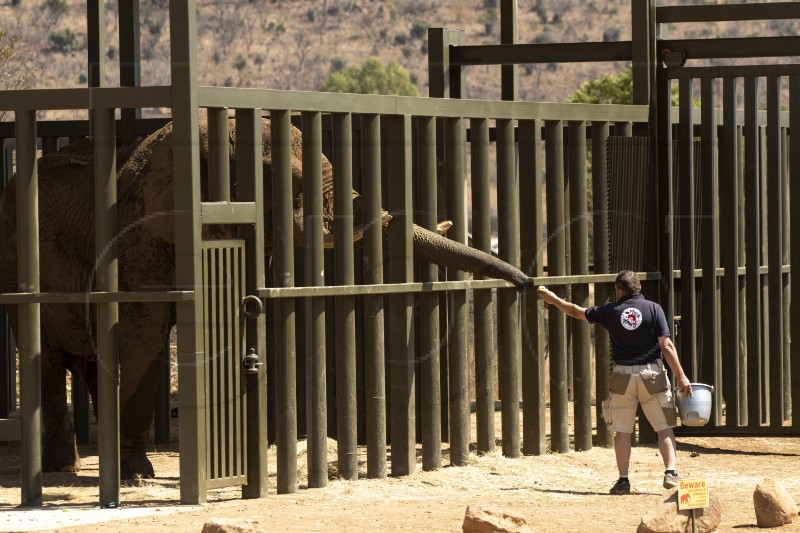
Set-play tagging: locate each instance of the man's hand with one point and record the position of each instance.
(544, 294)
(684, 386)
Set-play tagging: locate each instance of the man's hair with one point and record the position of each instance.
(628, 282)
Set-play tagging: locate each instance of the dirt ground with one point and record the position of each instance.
(555, 492)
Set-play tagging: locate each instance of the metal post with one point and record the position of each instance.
(129, 64)
(374, 310)
(455, 177)
(507, 299)
(346, 415)
(556, 266)
(509, 74)
(219, 172)
(794, 230)
(483, 318)
(534, 422)
(29, 342)
(429, 303)
(686, 214)
(105, 168)
(186, 163)
(283, 272)
(250, 188)
(399, 261)
(316, 386)
(582, 377)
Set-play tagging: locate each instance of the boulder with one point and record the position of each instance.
(223, 525)
(493, 519)
(773, 504)
(666, 518)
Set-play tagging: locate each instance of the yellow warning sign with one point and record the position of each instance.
(692, 494)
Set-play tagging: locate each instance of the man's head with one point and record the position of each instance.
(627, 283)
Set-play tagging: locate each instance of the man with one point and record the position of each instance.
(640, 342)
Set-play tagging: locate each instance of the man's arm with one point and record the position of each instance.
(575, 311)
(671, 355)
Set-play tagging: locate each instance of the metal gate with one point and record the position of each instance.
(729, 179)
(223, 343)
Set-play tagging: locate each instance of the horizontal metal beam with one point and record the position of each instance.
(371, 104)
(10, 429)
(517, 54)
(8, 298)
(79, 128)
(394, 288)
(730, 71)
(228, 213)
(728, 12)
(698, 272)
(737, 431)
(86, 98)
(731, 48)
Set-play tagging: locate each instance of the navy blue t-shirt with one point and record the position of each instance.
(634, 325)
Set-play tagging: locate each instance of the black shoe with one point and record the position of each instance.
(622, 486)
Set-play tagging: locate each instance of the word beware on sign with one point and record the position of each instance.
(692, 494)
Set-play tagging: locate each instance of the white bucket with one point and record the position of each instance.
(695, 410)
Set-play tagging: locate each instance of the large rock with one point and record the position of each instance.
(493, 519)
(774, 505)
(224, 525)
(666, 518)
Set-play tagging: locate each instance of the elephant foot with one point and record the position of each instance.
(136, 467)
(60, 459)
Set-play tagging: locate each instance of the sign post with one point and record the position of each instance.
(692, 494)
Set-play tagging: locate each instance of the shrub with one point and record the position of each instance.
(63, 40)
(372, 78)
(418, 30)
(56, 7)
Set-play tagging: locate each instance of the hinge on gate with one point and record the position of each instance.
(251, 362)
(673, 58)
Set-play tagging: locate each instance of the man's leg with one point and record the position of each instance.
(622, 449)
(666, 445)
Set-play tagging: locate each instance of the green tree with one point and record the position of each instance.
(371, 78)
(611, 89)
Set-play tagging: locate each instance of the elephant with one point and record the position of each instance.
(146, 244)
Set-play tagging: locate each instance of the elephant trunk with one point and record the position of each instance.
(434, 248)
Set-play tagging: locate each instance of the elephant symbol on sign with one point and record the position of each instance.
(685, 498)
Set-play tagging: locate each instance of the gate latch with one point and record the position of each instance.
(251, 362)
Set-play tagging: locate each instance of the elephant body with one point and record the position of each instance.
(146, 244)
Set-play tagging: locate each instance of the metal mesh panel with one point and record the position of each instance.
(631, 205)
(223, 282)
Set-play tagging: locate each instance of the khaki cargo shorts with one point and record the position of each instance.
(647, 385)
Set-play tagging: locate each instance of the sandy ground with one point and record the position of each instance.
(555, 492)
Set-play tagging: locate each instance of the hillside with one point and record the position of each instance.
(295, 44)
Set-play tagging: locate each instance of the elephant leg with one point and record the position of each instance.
(60, 453)
(144, 329)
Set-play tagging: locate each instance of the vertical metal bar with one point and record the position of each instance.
(455, 141)
(752, 203)
(208, 269)
(509, 74)
(346, 415)
(686, 219)
(105, 169)
(238, 429)
(794, 232)
(96, 42)
(534, 422)
(729, 252)
(710, 238)
(183, 31)
(283, 271)
(664, 154)
(374, 312)
(786, 385)
(129, 64)
(316, 386)
(507, 299)
(483, 317)
(231, 281)
(250, 187)
(743, 316)
(643, 43)
(429, 303)
(29, 342)
(213, 367)
(600, 249)
(219, 173)
(556, 266)
(582, 376)
(774, 194)
(399, 270)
